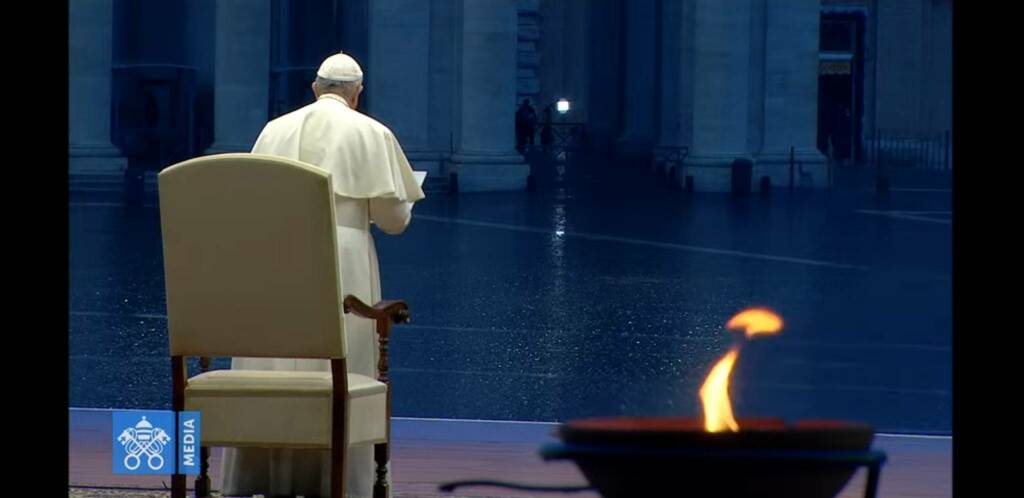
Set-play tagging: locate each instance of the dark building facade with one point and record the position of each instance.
(152, 83)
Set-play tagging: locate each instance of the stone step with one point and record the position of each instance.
(78, 197)
(95, 181)
(96, 187)
(106, 182)
(436, 185)
(95, 176)
(114, 184)
(528, 6)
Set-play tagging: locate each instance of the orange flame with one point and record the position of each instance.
(714, 394)
(756, 321)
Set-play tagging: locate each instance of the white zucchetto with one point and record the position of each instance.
(340, 67)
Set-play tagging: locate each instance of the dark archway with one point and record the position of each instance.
(841, 85)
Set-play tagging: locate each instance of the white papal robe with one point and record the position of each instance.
(373, 183)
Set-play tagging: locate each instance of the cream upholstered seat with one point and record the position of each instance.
(283, 409)
(251, 270)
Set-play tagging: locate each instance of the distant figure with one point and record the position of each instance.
(547, 135)
(574, 137)
(526, 122)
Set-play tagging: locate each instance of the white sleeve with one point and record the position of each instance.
(390, 214)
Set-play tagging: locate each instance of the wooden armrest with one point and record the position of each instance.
(383, 313)
(395, 310)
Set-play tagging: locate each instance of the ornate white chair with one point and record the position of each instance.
(251, 268)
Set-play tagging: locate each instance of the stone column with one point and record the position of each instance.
(398, 75)
(721, 100)
(899, 64)
(485, 158)
(604, 73)
(444, 73)
(791, 91)
(241, 74)
(90, 77)
(637, 135)
(675, 88)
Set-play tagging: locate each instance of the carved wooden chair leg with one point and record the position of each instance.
(178, 485)
(381, 451)
(202, 483)
(381, 456)
(178, 380)
(337, 473)
(203, 479)
(339, 429)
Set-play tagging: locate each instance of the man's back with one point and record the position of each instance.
(374, 183)
(362, 154)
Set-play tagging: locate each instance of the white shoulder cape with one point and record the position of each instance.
(362, 155)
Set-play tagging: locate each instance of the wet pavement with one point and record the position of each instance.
(602, 292)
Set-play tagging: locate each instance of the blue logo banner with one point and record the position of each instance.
(144, 442)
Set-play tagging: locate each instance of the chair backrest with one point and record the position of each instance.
(250, 258)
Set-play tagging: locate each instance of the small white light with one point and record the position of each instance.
(563, 106)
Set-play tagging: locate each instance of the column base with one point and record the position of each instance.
(810, 169)
(666, 159)
(490, 173)
(96, 159)
(710, 173)
(714, 173)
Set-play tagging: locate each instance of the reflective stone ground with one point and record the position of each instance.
(602, 292)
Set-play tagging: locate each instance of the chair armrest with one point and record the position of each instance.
(395, 310)
(383, 313)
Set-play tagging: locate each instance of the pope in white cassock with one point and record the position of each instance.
(373, 183)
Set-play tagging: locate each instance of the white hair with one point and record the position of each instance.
(346, 89)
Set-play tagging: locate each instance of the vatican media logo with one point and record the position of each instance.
(144, 439)
(145, 442)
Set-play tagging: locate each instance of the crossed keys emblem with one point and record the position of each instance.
(143, 439)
